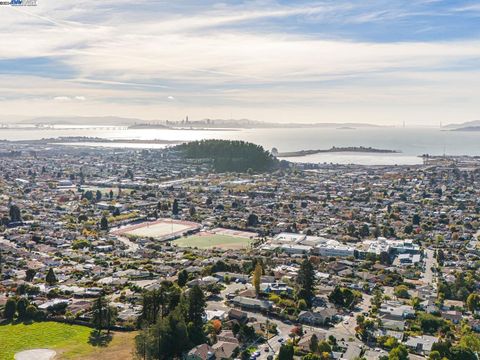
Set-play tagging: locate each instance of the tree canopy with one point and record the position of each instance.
(171, 325)
(238, 156)
(306, 282)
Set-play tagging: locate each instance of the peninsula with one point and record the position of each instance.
(360, 149)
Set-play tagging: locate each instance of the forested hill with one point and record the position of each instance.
(238, 156)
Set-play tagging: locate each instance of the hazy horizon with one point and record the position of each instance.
(379, 62)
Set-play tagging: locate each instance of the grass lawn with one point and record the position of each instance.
(207, 241)
(70, 341)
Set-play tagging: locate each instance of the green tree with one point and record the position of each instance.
(473, 302)
(175, 328)
(160, 302)
(324, 347)
(286, 352)
(104, 223)
(377, 298)
(15, 214)
(415, 302)
(443, 348)
(302, 304)
(22, 305)
(416, 219)
(252, 220)
(196, 311)
(344, 297)
(238, 156)
(51, 278)
(31, 312)
(401, 291)
(167, 339)
(1, 264)
(390, 342)
(10, 308)
(430, 323)
(398, 353)
(182, 278)
(175, 207)
(312, 357)
(314, 344)
(364, 230)
(470, 341)
(103, 315)
(30, 275)
(306, 282)
(88, 195)
(440, 256)
(408, 229)
(257, 275)
(461, 353)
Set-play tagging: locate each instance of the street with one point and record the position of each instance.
(283, 329)
(430, 261)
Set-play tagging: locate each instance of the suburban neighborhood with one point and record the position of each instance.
(344, 262)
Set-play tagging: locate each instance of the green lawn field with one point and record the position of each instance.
(70, 341)
(14, 338)
(213, 240)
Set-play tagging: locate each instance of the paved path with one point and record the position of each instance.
(35, 354)
(430, 261)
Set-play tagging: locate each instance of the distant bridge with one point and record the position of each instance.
(54, 127)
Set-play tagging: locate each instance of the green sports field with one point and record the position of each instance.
(70, 341)
(15, 338)
(208, 241)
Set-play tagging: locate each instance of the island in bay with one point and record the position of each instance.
(361, 149)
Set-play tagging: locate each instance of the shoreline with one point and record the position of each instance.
(83, 139)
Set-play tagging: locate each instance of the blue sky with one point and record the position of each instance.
(297, 61)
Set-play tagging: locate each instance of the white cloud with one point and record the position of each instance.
(62, 98)
(69, 98)
(124, 68)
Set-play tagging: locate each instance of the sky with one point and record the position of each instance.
(376, 61)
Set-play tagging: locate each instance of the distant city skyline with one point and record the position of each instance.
(382, 62)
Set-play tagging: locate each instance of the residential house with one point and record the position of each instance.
(421, 344)
(252, 304)
(201, 352)
(321, 317)
(224, 350)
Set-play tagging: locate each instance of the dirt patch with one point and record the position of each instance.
(121, 348)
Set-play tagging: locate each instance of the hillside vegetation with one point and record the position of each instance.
(238, 156)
